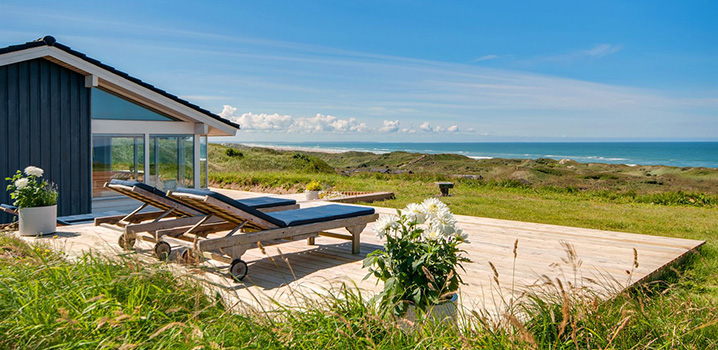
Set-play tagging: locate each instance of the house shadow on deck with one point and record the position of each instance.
(278, 268)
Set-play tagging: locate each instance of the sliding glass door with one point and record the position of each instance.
(171, 161)
(116, 157)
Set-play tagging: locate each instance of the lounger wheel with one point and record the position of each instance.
(162, 250)
(238, 269)
(126, 243)
(189, 256)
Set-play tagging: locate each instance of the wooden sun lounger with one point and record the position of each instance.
(172, 214)
(256, 227)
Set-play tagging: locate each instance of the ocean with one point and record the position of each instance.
(681, 154)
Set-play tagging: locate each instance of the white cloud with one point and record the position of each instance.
(287, 123)
(326, 123)
(601, 50)
(249, 121)
(486, 58)
(427, 127)
(598, 51)
(389, 126)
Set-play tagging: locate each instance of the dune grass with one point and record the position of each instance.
(50, 302)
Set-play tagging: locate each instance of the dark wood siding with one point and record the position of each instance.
(45, 121)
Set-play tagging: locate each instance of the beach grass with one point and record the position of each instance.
(49, 301)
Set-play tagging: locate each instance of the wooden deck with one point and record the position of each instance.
(290, 271)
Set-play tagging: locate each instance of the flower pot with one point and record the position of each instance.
(37, 221)
(311, 195)
(442, 312)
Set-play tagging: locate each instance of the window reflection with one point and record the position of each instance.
(171, 161)
(116, 157)
(109, 106)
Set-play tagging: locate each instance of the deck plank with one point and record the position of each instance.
(605, 256)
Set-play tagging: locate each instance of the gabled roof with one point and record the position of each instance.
(50, 41)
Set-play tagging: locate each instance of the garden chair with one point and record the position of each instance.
(255, 226)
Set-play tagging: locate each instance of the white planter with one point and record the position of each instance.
(37, 221)
(444, 312)
(311, 195)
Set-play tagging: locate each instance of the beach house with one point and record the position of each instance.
(86, 122)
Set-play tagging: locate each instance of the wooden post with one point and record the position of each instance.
(356, 237)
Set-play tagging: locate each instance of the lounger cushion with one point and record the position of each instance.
(142, 185)
(257, 203)
(266, 202)
(237, 204)
(319, 214)
(8, 207)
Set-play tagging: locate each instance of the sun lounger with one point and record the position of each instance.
(172, 212)
(13, 210)
(256, 226)
(8, 209)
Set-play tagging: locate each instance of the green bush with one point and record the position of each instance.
(231, 152)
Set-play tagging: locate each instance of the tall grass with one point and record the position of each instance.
(49, 302)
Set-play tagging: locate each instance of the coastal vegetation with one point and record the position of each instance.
(51, 301)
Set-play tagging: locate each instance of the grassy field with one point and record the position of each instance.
(50, 302)
(655, 200)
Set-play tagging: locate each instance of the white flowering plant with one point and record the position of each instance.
(29, 190)
(420, 257)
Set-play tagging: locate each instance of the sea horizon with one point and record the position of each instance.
(632, 153)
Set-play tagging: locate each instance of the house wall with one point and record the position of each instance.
(45, 121)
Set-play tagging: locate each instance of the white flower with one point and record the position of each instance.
(415, 213)
(443, 222)
(21, 183)
(432, 206)
(385, 225)
(34, 171)
(461, 235)
(431, 234)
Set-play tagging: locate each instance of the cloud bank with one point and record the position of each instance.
(320, 124)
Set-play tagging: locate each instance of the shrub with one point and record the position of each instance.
(231, 152)
(314, 186)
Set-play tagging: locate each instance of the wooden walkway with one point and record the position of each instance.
(289, 272)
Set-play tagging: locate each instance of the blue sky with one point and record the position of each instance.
(411, 70)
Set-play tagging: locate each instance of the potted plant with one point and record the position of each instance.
(312, 190)
(36, 200)
(419, 262)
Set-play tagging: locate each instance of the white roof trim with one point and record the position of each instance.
(122, 86)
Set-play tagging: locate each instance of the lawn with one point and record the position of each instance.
(51, 302)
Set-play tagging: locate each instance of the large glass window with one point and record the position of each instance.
(171, 161)
(116, 157)
(106, 105)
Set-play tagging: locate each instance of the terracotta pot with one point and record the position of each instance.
(37, 221)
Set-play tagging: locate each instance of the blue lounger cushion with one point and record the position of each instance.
(266, 202)
(322, 213)
(294, 217)
(8, 207)
(237, 204)
(142, 185)
(257, 203)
